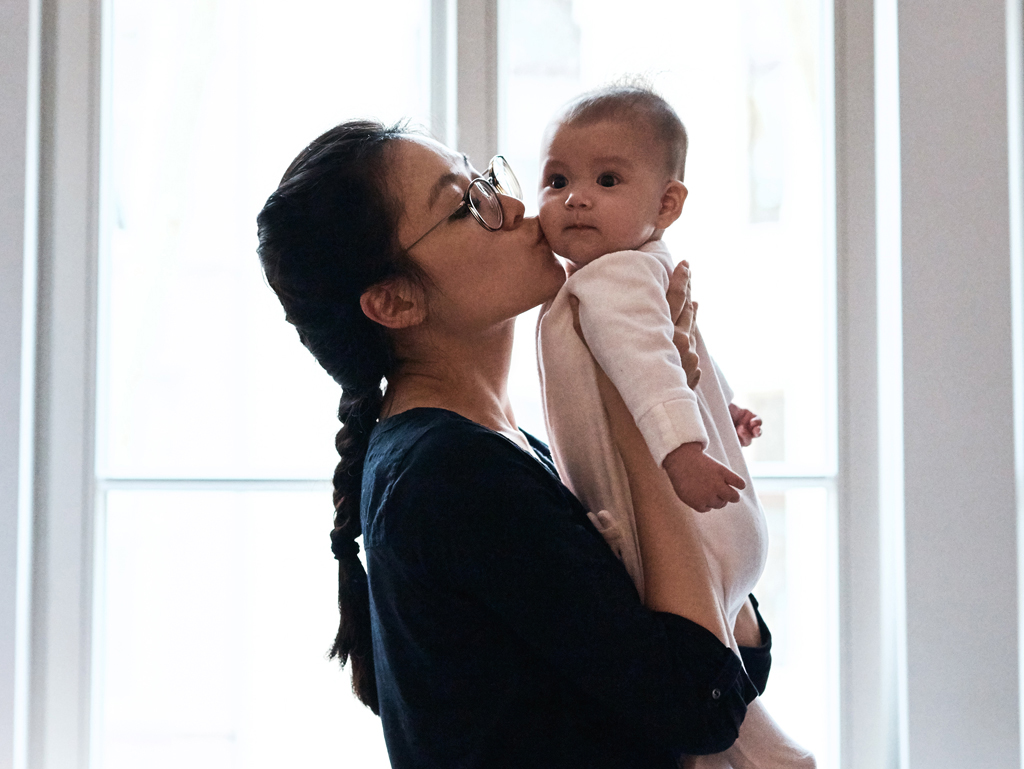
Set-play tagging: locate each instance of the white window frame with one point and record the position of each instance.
(893, 639)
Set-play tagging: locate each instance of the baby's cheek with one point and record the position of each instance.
(547, 218)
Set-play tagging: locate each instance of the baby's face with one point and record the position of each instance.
(601, 189)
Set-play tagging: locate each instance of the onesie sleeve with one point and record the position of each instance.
(727, 392)
(506, 533)
(626, 322)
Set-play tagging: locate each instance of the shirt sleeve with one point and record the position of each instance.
(757, 660)
(626, 322)
(508, 534)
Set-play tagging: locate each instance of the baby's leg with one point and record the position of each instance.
(677, 575)
(763, 745)
(679, 578)
(746, 631)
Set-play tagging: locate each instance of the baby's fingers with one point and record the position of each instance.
(728, 494)
(733, 480)
(716, 504)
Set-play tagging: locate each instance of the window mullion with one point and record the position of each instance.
(477, 80)
(59, 718)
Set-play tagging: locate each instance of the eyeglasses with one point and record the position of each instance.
(482, 199)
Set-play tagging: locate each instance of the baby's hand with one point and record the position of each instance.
(700, 481)
(748, 424)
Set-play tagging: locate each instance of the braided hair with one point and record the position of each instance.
(327, 234)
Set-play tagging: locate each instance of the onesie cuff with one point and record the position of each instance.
(669, 425)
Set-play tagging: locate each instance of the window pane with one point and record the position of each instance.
(746, 79)
(210, 101)
(797, 602)
(219, 610)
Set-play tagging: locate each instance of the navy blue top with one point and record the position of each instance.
(505, 632)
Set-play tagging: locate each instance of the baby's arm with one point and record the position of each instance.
(748, 424)
(628, 324)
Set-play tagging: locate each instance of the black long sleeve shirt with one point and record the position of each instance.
(505, 633)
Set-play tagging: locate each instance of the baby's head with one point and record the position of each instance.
(612, 172)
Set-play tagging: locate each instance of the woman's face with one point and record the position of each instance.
(477, 278)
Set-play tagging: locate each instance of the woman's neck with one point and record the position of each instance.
(464, 374)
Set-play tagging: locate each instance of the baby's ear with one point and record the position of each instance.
(396, 303)
(672, 200)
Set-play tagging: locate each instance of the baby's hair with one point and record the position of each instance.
(633, 100)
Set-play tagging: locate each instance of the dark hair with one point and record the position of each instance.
(327, 234)
(635, 101)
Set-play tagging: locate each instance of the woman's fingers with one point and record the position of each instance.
(678, 294)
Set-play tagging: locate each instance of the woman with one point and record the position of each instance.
(496, 628)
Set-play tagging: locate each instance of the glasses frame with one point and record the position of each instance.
(491, 184)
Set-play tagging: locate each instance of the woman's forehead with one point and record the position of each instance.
(425, 168)
(429, 179)
(425, 157)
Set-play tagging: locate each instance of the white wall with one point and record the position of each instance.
(960, 494)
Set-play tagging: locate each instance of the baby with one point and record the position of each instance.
(611, 184)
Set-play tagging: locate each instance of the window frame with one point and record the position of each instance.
(60, 322)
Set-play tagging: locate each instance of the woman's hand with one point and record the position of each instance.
(684, 316)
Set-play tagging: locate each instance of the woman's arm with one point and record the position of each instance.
(503, 529)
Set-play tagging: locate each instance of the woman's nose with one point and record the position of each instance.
(513, 210)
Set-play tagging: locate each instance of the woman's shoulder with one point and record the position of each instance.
(442, 467)
(434, 436)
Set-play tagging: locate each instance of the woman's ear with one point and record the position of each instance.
(672, 200)
(395, 303)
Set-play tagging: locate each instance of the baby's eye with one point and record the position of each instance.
(607, 180)
(557, 181)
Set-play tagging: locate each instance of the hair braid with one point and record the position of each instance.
(358, 412)
(327, 234)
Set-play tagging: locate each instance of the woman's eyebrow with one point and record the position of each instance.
(447, 180)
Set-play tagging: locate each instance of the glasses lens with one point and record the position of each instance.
(484, 200)
(503, 178)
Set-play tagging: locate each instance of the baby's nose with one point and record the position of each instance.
(574, 200)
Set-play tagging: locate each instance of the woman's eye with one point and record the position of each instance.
(460, 213)
(557, 181)
(607, 180)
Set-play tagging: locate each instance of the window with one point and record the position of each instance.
(216, 599)
(749, 79)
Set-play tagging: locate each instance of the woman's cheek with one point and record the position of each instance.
(554, 275)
